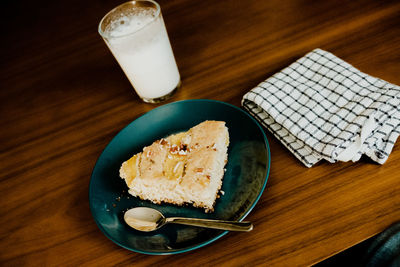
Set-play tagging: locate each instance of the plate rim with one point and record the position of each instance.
(202, 244)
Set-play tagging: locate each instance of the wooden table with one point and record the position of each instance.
(63, 98)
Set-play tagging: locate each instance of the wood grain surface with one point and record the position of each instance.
(63, 98)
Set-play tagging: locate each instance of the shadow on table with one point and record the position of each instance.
(381, 250)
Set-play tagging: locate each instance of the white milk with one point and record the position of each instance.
(142, 48)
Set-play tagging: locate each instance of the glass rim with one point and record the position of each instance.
(107, 36)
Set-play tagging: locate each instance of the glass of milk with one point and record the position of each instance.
(136, 35)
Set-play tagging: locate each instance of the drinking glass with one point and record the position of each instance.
(136, 35)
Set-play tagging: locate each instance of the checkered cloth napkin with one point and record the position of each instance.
(321, 107)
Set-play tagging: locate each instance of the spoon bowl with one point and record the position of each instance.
(147, 219)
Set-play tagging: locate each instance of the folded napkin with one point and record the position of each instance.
(321, 107)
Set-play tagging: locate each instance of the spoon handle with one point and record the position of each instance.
(214, 224)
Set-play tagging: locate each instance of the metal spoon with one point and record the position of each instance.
(148, 219)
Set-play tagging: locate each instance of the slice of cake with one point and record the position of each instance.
(187, 167)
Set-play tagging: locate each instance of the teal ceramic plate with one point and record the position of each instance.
(244, 181)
